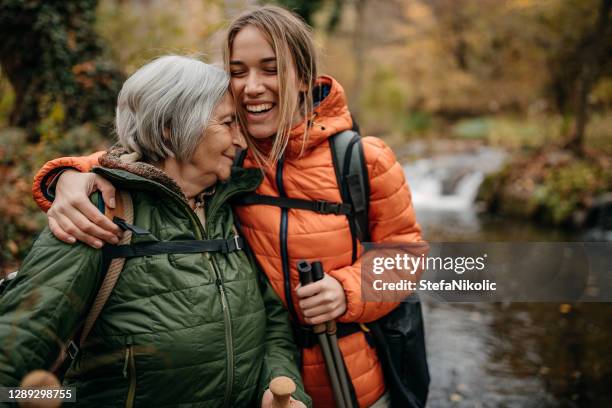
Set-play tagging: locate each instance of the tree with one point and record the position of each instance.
(54, 61)
(579, 46)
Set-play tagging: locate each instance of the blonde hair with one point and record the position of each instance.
(291, 39)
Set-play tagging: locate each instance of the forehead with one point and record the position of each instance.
(225, 106)
(250, 43)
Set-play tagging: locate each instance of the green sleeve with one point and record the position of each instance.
(281, 358)
(41, 307)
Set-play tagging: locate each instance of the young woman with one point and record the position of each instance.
(288, 113)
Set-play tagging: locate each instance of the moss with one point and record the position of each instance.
(546, 186)
(19, 161)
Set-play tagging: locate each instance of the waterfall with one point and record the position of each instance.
(450, 183)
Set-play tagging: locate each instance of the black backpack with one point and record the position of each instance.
(399, 337)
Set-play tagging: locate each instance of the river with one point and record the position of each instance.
(493, 354)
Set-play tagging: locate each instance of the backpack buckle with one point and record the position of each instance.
(325, 207)
(72, 350)
(233, 244)
(237, 243)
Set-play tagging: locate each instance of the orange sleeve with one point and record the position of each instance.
(391, 219)
(51, 168)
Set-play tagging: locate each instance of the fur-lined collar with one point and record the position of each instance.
(119, 158)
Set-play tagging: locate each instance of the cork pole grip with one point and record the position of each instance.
(282, 388)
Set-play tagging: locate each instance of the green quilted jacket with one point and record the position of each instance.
(188, 330)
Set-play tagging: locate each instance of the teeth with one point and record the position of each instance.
(259, 108)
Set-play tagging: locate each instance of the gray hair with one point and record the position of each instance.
(164, 107)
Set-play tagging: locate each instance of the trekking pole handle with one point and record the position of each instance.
(305, 271)
(317, 271)
(40, 379)
(282, 388)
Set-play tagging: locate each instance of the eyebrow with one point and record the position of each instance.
(262, 61)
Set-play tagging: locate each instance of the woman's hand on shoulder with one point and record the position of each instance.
(73, 217)
(322, 301)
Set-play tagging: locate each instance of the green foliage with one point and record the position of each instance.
(19, 161)
(550, 186)
(384, 102)
(565, 189)
(7, 99)
(51, 55)
(305, 8)
(478, 128)
(417, 123)
(133, 40)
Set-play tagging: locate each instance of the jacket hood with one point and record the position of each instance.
(330, 116)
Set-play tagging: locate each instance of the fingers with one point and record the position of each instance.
(318, 310)
(95, 222)
(59, 232)
(73, 215)
(323, 318)
(107, 190)
(296, 404)
(310, 290)
(267, 399)
(321, 299)
(69, 228)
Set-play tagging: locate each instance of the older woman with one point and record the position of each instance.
(179, 329)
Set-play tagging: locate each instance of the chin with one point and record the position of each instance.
(257, 132)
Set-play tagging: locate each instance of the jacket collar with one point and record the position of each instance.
(130, 173)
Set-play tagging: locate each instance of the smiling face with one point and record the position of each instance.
(255, 83)
(271, 58)
(215, 154)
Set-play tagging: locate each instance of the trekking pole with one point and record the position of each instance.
(305, 271)
(39, 379)
(282, 388)
(331, 329)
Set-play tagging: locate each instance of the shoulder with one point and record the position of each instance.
(378, 155)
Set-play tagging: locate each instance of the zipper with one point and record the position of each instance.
(228, 341)
(129, 372)
(227, 318)
(200, 234)
(283, 241)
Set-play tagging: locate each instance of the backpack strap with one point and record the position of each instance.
(123, 209)
(321, 207)
(353, 182)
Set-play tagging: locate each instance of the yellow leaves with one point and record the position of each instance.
(51, 125)
(12, 247)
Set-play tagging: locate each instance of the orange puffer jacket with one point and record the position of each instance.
(280, 238)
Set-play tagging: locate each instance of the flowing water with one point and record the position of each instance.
(503, 355)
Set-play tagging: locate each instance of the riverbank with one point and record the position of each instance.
(551, 186)
(537, 181)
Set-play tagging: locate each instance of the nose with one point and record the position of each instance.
(238, 139)
(254, 85)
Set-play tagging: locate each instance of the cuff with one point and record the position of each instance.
(49, 182)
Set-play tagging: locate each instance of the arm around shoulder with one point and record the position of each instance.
(52, 168)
